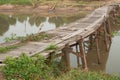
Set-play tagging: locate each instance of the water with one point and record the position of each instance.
(109, 59)
(25, 24)
(113, 65)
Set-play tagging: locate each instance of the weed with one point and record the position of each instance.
(40, 36)
(21, 2)
(5, 49)
(12, 37)
(76, 74)
(26, 68)
(51, 47)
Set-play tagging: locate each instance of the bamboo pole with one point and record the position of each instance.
(105, 36)
(82, 52)
(91, 41)
(97, 48)
(66, 57)
(109, 30)
(78, 61)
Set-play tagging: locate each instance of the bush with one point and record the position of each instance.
(26, 68)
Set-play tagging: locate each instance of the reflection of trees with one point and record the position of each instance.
(12, 21)
(6, 20)
(37, 20)
(4, 25)
(92, 57)
(59, 21)
(21, 17)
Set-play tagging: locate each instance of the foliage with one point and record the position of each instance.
(26, 68)
(32, 37)
(51, 47)
(35, 68)
(5, 49)
(12, 37)
(23, 2)
(40, 36)
(76, 74)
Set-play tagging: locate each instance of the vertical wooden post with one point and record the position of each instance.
(82, 52)
(66, 57)
(105, 36)
(97, 48)
(78, 62)
(109, 30)
(91, 41)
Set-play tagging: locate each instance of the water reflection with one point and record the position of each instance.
(113, 65)
(23, 24)
(109, 59)
(92, 57)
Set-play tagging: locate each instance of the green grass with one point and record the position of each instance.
(8, 48)
(21, 2)
(39, 37)
(51, 47)
(81, 75)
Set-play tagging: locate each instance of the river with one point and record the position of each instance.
(26, 24)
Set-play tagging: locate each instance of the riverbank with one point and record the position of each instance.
(47, 7)
(77, 74)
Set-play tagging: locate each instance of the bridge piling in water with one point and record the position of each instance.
(82, 53)
(97, 47)
(92, 27)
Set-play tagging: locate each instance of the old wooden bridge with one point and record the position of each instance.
(88, 29)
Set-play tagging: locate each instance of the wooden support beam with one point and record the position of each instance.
(91, 41)
(59, 55)
(66, 57)
(76, 53)
(97, 48)
(82, 52)
(109, 30)
(105, 36)
(78, 61)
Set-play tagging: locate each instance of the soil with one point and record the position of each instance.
(62, 8)
(1, 76)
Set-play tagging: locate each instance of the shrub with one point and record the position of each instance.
(26, 68)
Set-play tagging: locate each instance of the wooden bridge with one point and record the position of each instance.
(88, 29)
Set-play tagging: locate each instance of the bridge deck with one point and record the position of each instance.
(63, 35)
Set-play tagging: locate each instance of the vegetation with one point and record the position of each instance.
(12, 37)
(76, 74)
(38, 37)
(32, 37)
(36, 68)
(8, 48)
(51, 47)
(23, 2)
(26, 68)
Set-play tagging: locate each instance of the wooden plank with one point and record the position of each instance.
(67, 34)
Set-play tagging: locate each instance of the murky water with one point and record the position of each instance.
(23, 24)
(109, 59)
